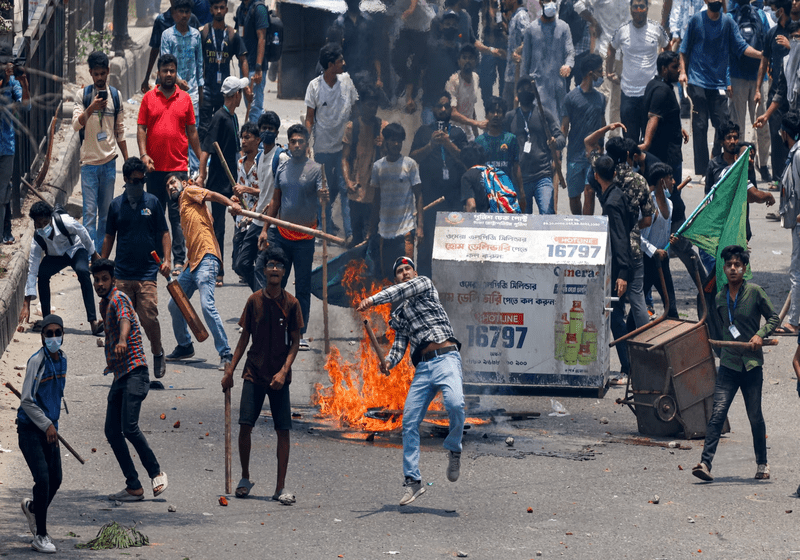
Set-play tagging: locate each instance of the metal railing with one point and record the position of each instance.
(41, 50)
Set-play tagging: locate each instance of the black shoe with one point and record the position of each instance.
(181, 353)
(764, 172)
(159, 365)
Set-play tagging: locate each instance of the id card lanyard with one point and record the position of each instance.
(445, 170)
(732, 328)
(527, 146)
(219, 50)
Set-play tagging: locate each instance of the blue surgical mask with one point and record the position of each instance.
(597, 82)
(45, 231)
(549, 9)
(53, 344)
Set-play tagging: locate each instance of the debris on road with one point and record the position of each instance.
(177, 424)
(114, 535)
(163, 416)
(171, 508)
(604, 420)
(223, 501)
(461, 554)
(656, 499)
(510, 441)
(530, 510)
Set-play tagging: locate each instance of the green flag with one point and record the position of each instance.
(720, 219)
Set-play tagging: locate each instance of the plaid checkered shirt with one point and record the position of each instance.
(420, 319)
(115, 307)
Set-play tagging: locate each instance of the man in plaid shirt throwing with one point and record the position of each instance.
(125, 358)
(419, 319)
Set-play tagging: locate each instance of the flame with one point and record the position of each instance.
(360, 385)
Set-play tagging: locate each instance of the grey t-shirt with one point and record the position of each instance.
(299, 181)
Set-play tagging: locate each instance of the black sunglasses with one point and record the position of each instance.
(53, 333)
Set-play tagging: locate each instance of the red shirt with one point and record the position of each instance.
(166, 121)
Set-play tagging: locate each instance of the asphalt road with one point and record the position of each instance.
(589, 491)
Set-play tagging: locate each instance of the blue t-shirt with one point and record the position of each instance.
(139, 232)
(50, 389)
(709, 45)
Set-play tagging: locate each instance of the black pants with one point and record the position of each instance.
(157, 186)
(631, 111)
(212, 102)
(359, 220)
(779, 151)
(244, 262)
(44, 461)
(122, 422)
(52, 265)
(407, 56)
(706, 104)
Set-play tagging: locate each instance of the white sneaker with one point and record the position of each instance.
(43, 544)
(26, 504)
(304, 345)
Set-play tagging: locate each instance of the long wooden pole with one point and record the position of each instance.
(325, 285)
(61, 439)
(294, 227)
(373, 340)
(228, 481)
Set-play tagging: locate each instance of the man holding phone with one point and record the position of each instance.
(102, 125)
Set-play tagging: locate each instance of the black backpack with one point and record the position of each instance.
(88, 97)
(750, 26)
(58, 210)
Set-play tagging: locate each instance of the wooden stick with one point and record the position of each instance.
(742, 345)
(61, 439)
(228, 481)
(786, 305)
(685, 182)
(373, 341)
(325, 284)
(225, 165)
(434, 203)
(295, 227)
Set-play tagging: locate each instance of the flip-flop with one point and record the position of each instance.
(243, 488)
(160, 480)
(276, 497)
(124, 496)
(783, 330)
(286, 498)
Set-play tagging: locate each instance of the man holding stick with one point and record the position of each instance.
(202, 266)
(223, 130)
(37, 427)
(420, 319)
(272, 316)
(298, 184)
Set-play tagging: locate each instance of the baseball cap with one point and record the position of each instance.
(232, 84)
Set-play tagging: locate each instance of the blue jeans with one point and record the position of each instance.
(442, 373)
(122, 422)
(333, 173)
(97, 184)
(257, 106)
(301, 257)
(542, 192)
(202, 278)
(194, 159)
(728, 382)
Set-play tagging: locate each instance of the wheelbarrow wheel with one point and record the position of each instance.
(666, 408)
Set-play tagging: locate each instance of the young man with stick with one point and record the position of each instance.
(37, 427)
(202, 266)
(420, 319)
(740, 306)
(272, 316)
(127, 362)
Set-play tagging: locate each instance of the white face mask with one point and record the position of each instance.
(549, 10)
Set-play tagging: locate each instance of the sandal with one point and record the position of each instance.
(159, 482)
(243, 488)
(219, 283)
(125, 496)
(785, 330)
(177, 269)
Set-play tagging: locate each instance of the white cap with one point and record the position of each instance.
(232, 84)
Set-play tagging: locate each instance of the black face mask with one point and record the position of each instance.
(268, 137)
(449, 33)
(525, 97)
(715, 7)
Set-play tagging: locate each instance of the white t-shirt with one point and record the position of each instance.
(266, 180)
(332, 106)
(640, 47)
(466, 97)
(394, 180)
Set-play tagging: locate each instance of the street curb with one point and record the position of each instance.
(12, 289)
(126, 72)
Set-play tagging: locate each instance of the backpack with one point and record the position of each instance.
(274, 48)
(499, 190)
(276, 159)
(88, 97)
(750, 26)
(58, 210)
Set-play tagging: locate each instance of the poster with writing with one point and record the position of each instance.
(526, 295)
